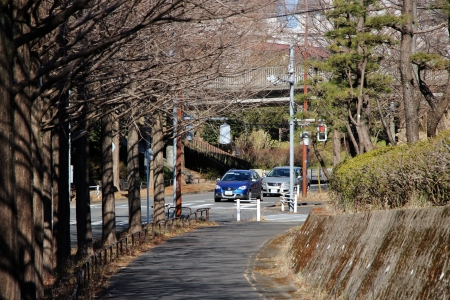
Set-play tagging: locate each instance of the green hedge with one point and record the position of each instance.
(394, 177)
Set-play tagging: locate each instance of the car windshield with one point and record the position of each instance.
(236, 176)
(278, 173)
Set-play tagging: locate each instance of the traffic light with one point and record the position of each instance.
(322, 133)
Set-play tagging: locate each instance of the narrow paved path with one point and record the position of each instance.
(208, 263)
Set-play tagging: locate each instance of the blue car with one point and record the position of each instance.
(238, 184)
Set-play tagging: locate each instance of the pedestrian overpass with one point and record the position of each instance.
(256, 80)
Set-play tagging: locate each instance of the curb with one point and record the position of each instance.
(269, 287)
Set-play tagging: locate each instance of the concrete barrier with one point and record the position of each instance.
(396, 254)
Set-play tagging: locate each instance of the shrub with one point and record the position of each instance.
(393, 177)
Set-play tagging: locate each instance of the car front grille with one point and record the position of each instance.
(273, 184)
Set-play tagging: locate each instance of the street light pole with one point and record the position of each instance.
(291, 125)
(305, 108)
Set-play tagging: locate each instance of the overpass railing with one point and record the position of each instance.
(223, 157)
(257, 78)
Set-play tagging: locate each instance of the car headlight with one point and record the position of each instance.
(218, 187)
(242, 187)
(285, 184)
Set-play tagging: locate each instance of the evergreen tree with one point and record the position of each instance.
(346, 99)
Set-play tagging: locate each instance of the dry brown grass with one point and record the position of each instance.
(276, 266)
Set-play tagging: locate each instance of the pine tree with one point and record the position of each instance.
(346, 99)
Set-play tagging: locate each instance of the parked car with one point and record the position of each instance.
(238, 184)
(277, 181)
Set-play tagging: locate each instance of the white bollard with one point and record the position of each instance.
(295, 203)
(238, 209)
(282, 204)
(258, 211)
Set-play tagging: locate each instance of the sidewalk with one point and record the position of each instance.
(209, 263)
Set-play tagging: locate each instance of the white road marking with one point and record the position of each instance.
(285, 218)
(204, 205)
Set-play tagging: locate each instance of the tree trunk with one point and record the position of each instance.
(108, 199)
(365, 141)
(134, 189)
(411, 104)
(9, 272)
(61, 199)
(320, 159)
(23, 174)
(336, 147)
(387, 127)
(158, 169)
(47, 197)
(438, 106)
(38, 199)
(115, 153)
(352, 138)
(83, 198)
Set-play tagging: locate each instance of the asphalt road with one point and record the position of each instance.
(209, 263)
(224, 211)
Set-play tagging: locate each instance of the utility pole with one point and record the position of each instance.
(177, 203)
(178, 170)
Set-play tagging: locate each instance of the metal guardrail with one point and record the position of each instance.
(291, 201)
(239, 206)
(286, 198)
(108, 254)
(96, 188)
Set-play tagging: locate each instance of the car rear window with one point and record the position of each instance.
(236, 176)
(279, 173)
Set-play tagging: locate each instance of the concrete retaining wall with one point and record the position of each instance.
(398, 254)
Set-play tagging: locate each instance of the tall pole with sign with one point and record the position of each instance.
(305, 108)
(147, 161)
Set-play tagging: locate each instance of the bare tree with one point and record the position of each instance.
(68, 41)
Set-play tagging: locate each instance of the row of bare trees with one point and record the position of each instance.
(66, 65)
